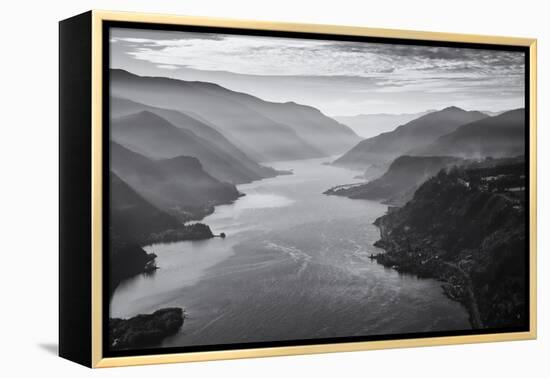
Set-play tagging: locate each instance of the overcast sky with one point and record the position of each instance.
(339, 78)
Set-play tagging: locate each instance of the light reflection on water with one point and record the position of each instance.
(294, 265)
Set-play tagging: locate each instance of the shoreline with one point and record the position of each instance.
(456, 287)
(205, 296)
(475, 250)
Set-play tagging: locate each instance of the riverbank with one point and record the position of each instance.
(294, 265)
(456, 283)
(470, 238)
(128, 259)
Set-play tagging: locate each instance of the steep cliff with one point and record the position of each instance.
(466, 227)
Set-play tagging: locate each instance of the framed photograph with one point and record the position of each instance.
(235, 189)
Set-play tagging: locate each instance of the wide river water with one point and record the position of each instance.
(294, 265)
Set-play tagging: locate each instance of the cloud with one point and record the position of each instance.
(376, 71)
(256, 55)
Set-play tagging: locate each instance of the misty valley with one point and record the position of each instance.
(237, 220)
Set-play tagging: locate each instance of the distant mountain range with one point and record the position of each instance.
(370, 125)
(499, 136)
(384, 148)
(264, 131)
(178, 185)
(153, 136)
(220, 157)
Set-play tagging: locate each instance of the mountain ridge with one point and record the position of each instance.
(242, 117)
(183, 190)
(385, 147)
(499, 136)
(152, 135)
(398, 184)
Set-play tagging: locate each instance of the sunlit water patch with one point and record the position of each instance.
(294, 265)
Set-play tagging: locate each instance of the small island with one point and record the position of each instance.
(144, 330)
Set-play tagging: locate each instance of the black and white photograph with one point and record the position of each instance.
(291, 190)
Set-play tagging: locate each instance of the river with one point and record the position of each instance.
(294, 265)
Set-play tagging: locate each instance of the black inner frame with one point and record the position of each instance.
(106, 25)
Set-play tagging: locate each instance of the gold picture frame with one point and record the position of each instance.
(97, 19)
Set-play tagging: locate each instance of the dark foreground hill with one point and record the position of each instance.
(467, 228)
(135, 222)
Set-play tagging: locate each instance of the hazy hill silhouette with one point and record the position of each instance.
(220, 157)
(178, 185)
(499, 136)
(265, 131)
(422, 131)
